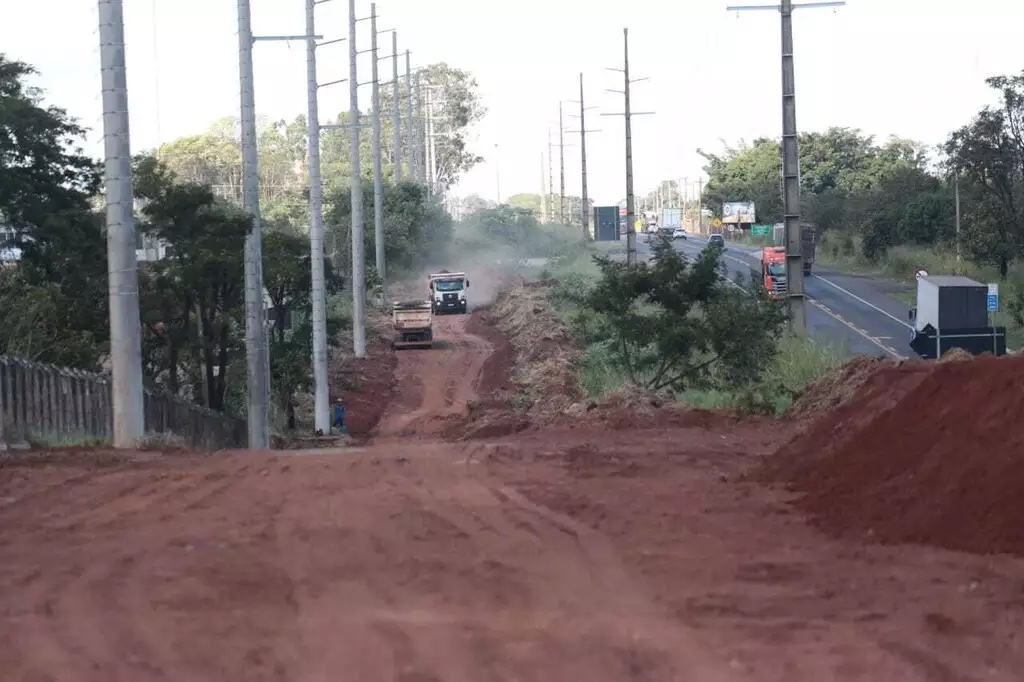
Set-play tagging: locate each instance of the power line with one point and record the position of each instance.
(790, 160)
(628, 114)
(123, 276)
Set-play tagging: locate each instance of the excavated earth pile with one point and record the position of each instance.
(922, 453)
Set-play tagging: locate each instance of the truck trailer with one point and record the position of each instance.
(413, 324)
(808, 242)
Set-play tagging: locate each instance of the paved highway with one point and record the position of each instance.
(858, 315)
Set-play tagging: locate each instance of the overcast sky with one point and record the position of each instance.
(913, 68)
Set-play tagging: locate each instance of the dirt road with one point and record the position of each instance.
(548, 556)
(436, 384)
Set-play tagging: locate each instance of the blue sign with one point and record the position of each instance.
(993, 298)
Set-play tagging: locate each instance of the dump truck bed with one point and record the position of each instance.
(413, 322)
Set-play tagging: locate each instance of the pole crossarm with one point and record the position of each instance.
(331, 42)
(633, 113)
(286, 39)
(778, 8)
(330, 83)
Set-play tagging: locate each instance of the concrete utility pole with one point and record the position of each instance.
(585, 223)
(956, 194)
(408, 118)
(122, 268)
(421, 133)
(257, 357)
(790, 160)
(428, 125)
(561, 166)
(378, 180)
(551, 182)
(396, 107)
(543, 197)
(628, 114)
(358, 243)
(321, 391)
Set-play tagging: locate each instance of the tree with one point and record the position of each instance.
(416, 227)
(675, 325)
(46, 188)
(848, 182)
(287, 277)
(516, 230)
(988, 154)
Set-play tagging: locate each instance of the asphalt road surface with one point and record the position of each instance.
(857, 315)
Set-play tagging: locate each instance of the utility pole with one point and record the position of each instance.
(257, 357)
(429, 159)
(321, 390)
(628, 114)
(358, 243)
(585, 217)
(551, 182)
(396, 107)
(791, 160)
(421, 133)
(122, 268)
(543, 197)
(408, 118)
(378, 180)
(956, 194)
(561, 166)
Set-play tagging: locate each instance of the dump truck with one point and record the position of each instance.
(413, 321)
(808, 242)
(448, 291)
(771, 275)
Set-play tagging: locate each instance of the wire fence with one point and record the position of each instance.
(53, 406)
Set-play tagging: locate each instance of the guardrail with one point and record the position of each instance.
(56, 405)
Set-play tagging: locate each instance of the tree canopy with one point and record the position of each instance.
(188, 198)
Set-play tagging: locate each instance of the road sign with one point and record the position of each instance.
(993, 298)
(760, 230)
(717, 222)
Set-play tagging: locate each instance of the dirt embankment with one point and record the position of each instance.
(923, 452)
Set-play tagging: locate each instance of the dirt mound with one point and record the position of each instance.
(544, 355)
(837, 387)
(924, 452)
(956, 355)
(366, 384)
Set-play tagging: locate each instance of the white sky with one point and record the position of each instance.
(914, 68)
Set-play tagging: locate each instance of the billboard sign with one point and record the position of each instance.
(737, 212)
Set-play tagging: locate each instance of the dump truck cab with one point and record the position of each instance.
(448, 291)
(772, 274)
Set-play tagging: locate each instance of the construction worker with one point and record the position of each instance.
(339, 416)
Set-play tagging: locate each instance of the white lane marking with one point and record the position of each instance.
(875, 340)
(858, 298)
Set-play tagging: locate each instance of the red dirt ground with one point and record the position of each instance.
(553, 555)
(373, 381)
(925, 452)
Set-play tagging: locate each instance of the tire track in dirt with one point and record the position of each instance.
(435, 385)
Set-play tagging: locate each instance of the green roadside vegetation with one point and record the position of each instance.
(778, 368)
(671, 326)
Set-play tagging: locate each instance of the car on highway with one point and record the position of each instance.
(716, 239)
(679, 233)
